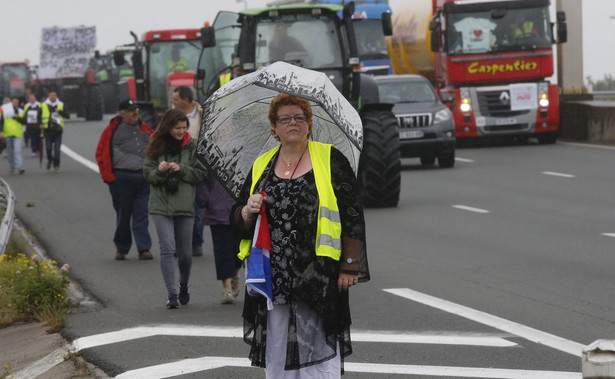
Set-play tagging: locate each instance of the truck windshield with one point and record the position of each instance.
(11, 71)
(285, 39)
(167, 57)
(370, 39)
(509, 30)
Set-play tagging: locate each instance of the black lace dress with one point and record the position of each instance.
(319, 314)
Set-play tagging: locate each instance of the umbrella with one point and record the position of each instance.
(236, 130)
(41, 147)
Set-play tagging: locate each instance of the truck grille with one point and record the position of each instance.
(420, 120)
(491, 105)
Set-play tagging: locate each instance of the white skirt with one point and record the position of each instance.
(275, 355)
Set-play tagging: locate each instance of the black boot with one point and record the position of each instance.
(184, 296)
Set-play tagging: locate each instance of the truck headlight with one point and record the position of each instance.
(466, 103)
(543, 95)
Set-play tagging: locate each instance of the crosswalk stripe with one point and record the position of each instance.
(234, 332)
(189, 366)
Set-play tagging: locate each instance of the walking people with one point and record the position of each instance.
(317, 231)
(11, 129)
(34, 124)
(120, 157)
(53, 116)
(173, 171)
(216, 204)
(182, 99)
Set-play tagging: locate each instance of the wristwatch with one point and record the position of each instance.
(350, 260)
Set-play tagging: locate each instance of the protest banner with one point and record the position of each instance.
(65, 52)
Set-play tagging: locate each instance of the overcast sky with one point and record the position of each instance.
(22, 21)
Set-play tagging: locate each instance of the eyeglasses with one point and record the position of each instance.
(286, 119)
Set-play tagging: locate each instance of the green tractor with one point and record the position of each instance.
(321, 38)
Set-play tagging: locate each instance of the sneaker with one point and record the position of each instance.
(21, 171)
(235, 285)
(227, 296)
(184, 296)
(56, 168)
(197, 251)
(172, 302)
(119, 256)
(48, 165)
(145, 255)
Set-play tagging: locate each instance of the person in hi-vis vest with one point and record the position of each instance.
(317, 228)
(53, 116)
(11, 129)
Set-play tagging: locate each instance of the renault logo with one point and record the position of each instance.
(504, 98)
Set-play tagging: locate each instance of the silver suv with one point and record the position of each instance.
(426, 128)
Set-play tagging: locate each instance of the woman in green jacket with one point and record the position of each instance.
(173, 171)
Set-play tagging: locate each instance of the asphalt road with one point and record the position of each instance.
(499, 267)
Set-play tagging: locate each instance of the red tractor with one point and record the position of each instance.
(161, 61)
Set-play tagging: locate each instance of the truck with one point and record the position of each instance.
(489, 61)
(370, 37)
(161, 61)
(15, 77)
(332, 49)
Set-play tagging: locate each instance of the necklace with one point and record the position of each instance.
(288, 165)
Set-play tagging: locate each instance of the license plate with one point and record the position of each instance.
(506, 121)
(411, 134)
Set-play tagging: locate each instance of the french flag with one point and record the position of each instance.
(258, 276)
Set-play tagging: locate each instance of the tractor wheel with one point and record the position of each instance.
(380, 164)
(94, 105)
(110, 97)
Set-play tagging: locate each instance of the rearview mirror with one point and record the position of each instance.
(387, 24)
(208, 36)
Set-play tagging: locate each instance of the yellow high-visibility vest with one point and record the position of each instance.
(329, 228)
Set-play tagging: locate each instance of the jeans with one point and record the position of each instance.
(53, 142)
(130, 195)
(197, 228)
(34, 136)
(13, 150)
(174, 235)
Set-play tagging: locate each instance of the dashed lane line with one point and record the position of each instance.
(507, 326)
(559, 174)
(470, 209)
(464, 160)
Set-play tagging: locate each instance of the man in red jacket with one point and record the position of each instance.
(120, 160)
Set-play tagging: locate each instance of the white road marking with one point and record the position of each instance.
(87, 163)
(471, 209)
(586, 145)
(609, 234)
(560, 174)
(189, 366)
(234, 332)
(465, 160)
(520, 330)
(44, 364)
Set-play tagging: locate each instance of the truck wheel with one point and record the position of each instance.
(428, 159)
(94, 105)
(548, 138)
(380, 164)
(446, 159)
(110, 97)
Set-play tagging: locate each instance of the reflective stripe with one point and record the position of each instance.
(331, 215)
(326, 240)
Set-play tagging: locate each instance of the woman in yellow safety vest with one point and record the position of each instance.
(318, 252)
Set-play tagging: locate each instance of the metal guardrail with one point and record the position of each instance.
(603, 95)
(7, 201)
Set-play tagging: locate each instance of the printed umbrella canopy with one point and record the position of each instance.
(235, 127)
